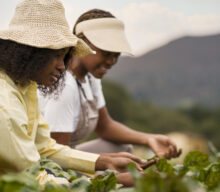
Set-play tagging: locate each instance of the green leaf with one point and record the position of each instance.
(196, 160)
(133, 170)
(104, 183)
(54, 168)
(81, 184)
(18, 182)
(164, 166)
(56, 188)
(212, 179)
(160, 182)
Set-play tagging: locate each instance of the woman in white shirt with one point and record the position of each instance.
(81, 106)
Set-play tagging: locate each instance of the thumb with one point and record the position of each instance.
(138, 166)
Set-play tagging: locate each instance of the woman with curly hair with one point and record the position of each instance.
(35, 51)
(81, 105)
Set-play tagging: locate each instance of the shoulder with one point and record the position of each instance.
(10, 95)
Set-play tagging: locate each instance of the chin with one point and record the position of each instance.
(98, 75)
(46, 83)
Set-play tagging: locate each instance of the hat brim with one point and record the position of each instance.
(46, 37)
(109, 40)
(105, 33)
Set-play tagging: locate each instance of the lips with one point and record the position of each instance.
(55, 77)
(103, 70)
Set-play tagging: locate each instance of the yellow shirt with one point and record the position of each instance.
(25, 136)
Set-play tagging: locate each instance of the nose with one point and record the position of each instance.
(111, 61)
(61, 66)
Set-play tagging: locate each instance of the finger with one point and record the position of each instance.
(161, 154)
(179, 153)
(172, 151)
(133, 157)
(138, 166)
(168, 155)
(126, 179)
(172, 144)
(149, 163)
(138, 160)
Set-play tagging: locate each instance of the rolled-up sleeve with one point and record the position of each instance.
(61, 154)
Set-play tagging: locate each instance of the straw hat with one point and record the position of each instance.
(105, 33)
(42, 24)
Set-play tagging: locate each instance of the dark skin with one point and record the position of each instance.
(111, 130)
(53, 70)
(107, 128)
(119, 161)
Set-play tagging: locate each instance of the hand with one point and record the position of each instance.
(163, 146)
(118, 162)
(127, 155)
(125, 179)
(149, 163)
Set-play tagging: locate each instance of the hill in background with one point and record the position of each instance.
(183, 72)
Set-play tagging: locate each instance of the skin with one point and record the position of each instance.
(107, 128)
(119, 161)
(111, 130)
(98, 64)
(51, 73)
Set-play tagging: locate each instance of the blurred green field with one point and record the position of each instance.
(196, 121)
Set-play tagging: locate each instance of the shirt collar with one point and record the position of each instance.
(24, 89)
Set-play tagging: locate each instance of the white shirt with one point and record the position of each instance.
(62, 114)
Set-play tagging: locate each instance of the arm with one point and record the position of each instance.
(17, 147)
(78, 160)
(63, 114)
(114, 131)
(111, 130)
(63, 155)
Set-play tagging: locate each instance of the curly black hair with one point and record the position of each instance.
(22, 63)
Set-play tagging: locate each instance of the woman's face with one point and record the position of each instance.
(98, 64)
(52, 72)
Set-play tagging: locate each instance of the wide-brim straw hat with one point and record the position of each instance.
(42, 24)
(107, 34)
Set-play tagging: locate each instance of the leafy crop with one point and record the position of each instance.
(199, 173)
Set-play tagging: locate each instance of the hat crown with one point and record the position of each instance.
(39, 12)
(42, 24)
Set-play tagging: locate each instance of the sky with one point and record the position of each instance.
(148, 23)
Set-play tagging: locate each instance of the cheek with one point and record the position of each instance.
(44, 76)
(92, 62)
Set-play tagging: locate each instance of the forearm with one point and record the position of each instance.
(117, 132)
(63, 155)
(73, 159)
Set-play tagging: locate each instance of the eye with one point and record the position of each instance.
(106, 54)
(62, 53)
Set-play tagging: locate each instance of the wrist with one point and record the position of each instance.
(103, 162)
(145, 140)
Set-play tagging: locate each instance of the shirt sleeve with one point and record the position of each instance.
(61, 154)
(17, 148)
(62, 113)
(21, 148)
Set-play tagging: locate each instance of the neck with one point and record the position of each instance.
(78, 70)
